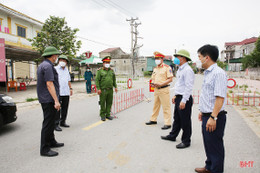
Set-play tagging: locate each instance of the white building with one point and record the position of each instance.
(235, 51)
(16, 28)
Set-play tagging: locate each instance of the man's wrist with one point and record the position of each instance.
(213, 117)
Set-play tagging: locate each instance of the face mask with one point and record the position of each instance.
(204, 61)
(176, 61)
(157, 61)
(87, 69)
(107, 65)
(62, 64)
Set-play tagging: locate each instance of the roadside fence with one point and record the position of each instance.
(125, 100)
(239, 99)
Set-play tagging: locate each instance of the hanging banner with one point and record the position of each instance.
(2, 60)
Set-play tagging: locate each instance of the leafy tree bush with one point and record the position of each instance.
(55, 32)
(252, 60)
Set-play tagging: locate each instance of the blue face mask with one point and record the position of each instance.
(176, 61)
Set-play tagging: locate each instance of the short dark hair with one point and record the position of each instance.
(45, 57)
(209, 50)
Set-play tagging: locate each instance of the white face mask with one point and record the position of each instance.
(62, 63)
(157, 61)
(107, 65)
(203, 63)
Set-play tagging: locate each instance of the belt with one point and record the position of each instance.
(163, 86)
(107, 89)
(208, 114)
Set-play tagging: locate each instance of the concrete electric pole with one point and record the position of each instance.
(134, 38)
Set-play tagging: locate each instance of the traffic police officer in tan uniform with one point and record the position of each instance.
(161, 78)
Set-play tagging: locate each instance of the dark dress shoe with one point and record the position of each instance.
(103, 119)
(182, 145)
(64, 125)
(110, 118)
(57, 128)
(50, 153)
(202, 170)
(168, 138)
(166, 127)
(151, 122)
(56, 145)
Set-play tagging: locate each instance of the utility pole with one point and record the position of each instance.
(134, 38)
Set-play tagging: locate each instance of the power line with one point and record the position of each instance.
(119, 8)
(99, 4)
(112, 4)
(97, 42)
(108, 8)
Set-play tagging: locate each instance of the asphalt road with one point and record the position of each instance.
(124, 145)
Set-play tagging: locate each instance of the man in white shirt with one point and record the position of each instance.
(183, 100)
(65, 92)
(211, 107)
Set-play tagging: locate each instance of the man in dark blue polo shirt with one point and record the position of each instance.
(48, 95)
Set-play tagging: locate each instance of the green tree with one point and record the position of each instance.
(252, 60)
(221, 64)
(55, 32)
(193, 66)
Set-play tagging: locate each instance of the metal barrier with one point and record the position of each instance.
(239, 99)
(124, 100)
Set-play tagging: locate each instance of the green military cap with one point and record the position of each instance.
(63, 57)
(183, 53)
(50, 50)
(106, 59)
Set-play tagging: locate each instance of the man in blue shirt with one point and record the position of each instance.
(65, 92)
(48, 94)
(183, 100)
(211, 106)
(88, 77)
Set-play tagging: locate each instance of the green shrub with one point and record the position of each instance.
(31, 99)
(147, 73)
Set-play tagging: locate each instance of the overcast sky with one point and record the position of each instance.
(166, 24)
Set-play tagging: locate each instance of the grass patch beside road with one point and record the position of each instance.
(31, 99)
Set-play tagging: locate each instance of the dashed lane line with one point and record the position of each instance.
(93, 125)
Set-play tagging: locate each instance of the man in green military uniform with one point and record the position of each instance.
(105, 81)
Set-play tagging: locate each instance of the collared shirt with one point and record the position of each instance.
(46, 72)
(161, 73)
(64, 78)
(105, 79)
(185, 81)
(214, 84)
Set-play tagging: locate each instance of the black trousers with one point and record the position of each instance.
(61, 115)
(182, 120)
(213, 144)
(47, 133)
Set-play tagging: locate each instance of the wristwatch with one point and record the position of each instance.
(214, 118)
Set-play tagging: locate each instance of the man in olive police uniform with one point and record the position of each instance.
(105, 81)
(161, 78)
(48, 95)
